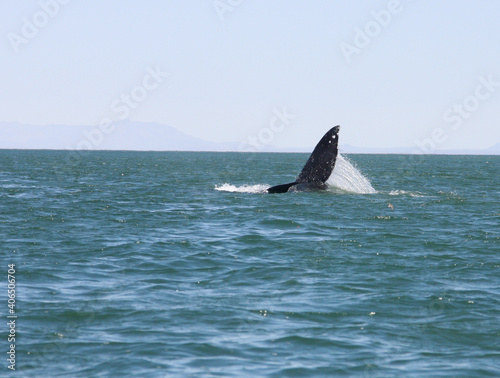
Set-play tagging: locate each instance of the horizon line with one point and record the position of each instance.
(254, 152)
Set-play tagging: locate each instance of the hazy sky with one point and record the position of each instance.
(391, 73)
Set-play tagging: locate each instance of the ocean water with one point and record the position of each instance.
(177, 264)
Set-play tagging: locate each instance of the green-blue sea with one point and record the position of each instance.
(179, 264)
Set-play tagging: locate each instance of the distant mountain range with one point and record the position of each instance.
(494, 150)
(128, 135)
(122, 135)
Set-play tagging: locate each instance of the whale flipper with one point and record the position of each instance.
(283, 188)
(320, 164)
(318, 167)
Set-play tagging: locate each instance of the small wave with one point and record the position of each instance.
(405, 193)
(259, 188)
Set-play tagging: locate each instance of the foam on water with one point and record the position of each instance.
(346, 177)
(259, 188)
(404, 192)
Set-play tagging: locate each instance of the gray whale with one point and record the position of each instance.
(318, 167)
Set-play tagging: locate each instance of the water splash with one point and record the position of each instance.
(259, 188)
(405, 193)
(346, 177)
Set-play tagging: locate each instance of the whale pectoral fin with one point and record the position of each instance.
(320, 164)
(283, 188)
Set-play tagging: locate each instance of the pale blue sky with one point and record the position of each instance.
(422, 69)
